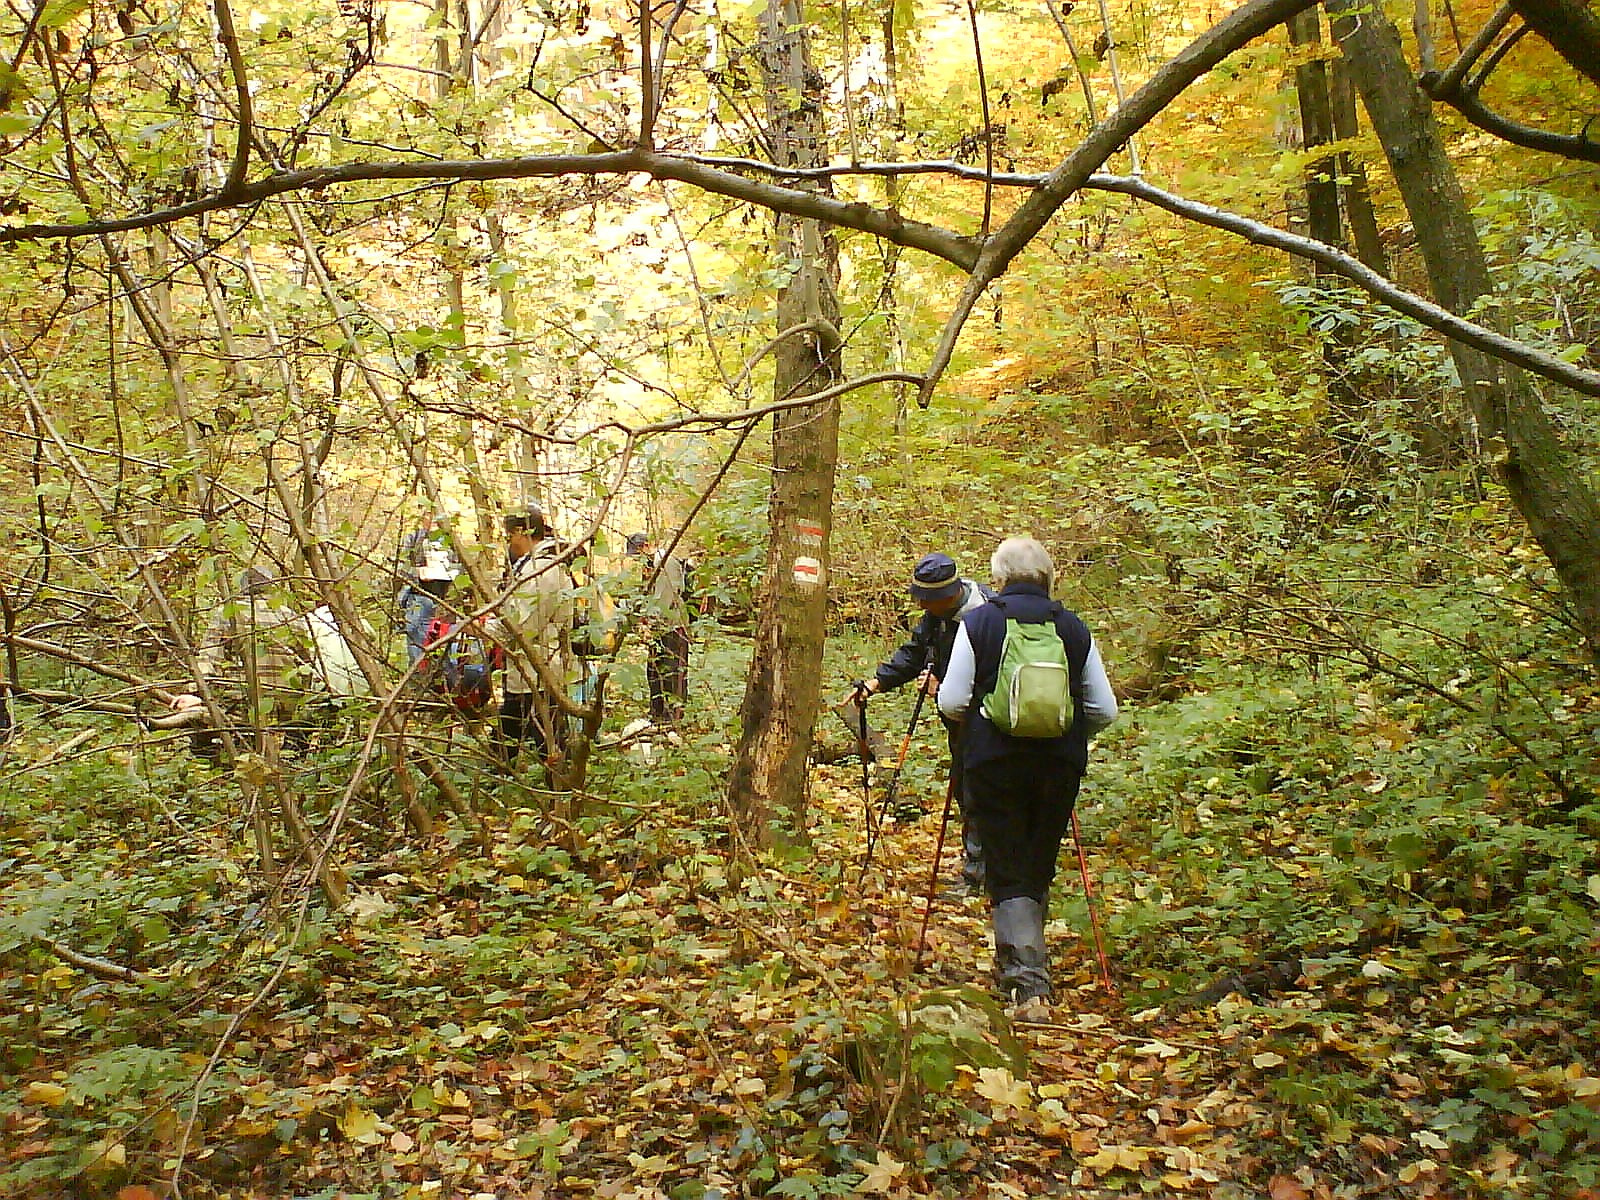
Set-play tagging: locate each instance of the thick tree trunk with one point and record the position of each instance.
(1550, 493)
(767, 787)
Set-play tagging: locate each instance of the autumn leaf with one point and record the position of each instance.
(1118, 1158)
(1004, 1089)
(357, 1124)
(881, 1175)
(47, 1094)
(1286, 1187)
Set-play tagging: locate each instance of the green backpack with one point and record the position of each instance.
(1032, 695)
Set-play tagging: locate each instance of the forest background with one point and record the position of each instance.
(280, 283)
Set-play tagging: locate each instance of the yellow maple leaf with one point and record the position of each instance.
(1118, 1158)
(358, 1124)
(882, 1174)
(999, 1085)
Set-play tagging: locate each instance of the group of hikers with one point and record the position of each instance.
(1017, 678)
(539, 636)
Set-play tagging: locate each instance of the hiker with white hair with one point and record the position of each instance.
(1026, 680)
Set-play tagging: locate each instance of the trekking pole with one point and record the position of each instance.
(1088, 896)
(900, 760)
(938, 854)
(865, 753)
(894, 780)
(933, 876)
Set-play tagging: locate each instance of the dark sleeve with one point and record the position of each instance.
(908, 661)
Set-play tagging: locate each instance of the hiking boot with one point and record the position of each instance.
(973, 873)
(1021, 968)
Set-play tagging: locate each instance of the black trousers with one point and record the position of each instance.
(519, 722)
(971, 842)
(1022, 807)
(668, 674)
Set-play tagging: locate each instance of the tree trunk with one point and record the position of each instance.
(767, 786)
(1353, 191)
(1561, 510)
(1316, 127)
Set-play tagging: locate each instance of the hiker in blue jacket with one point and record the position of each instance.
(1022, 789)
(944, 597)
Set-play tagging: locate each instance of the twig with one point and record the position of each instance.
(100, 968)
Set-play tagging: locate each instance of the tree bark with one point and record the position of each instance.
(767, 787)
(1316, 128)
(1559, 506)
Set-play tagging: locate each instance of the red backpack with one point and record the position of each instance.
(461, 668)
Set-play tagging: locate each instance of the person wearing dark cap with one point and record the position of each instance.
(535, 614)
(944, 597)
(667, 612)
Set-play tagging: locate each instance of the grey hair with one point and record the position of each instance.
(1022, 560)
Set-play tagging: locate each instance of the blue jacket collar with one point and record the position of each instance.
(1024, 589)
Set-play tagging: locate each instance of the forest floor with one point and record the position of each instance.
(591, 996)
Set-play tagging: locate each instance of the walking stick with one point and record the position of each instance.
(865, 752)
(894, 780)
(1088, 896)
(933, 876)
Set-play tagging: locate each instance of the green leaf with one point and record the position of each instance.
(1409, 850)
(62, 12)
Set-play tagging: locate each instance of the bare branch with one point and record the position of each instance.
(1580, 147)
(100, 968)
(1568, 25)
(891, 226)
(241, 92)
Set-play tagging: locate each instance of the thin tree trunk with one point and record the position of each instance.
(1354, 193)
(1323, 223)
(767, 786)
(1550, 493)
(1316, 125)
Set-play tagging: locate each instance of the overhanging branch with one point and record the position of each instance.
(1424, 311)
(891, 226)
(1237, 29)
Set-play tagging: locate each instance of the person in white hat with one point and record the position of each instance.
(431, 567)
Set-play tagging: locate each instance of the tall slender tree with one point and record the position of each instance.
(767, 787)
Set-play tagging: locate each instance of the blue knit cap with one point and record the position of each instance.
(935, 577)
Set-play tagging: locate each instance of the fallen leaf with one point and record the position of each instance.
(1286, 1187)
(1118, 1158)
(999, 1085)
(357, 1124)
(1159, 1048)
(48, 1094)
(1262, 1061)
(882, 1174)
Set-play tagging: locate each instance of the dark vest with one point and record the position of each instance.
(986, 630)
